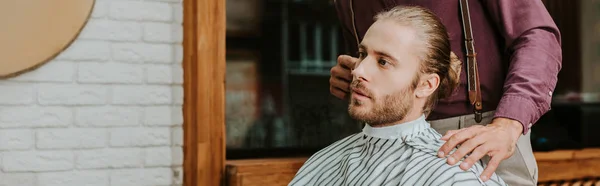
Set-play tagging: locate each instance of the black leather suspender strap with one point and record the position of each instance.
(472, 71)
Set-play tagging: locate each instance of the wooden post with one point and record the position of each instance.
(204, 92)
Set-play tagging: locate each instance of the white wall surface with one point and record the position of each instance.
(107, 111)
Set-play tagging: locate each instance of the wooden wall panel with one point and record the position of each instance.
(553, 166)
(568, 164)
(263, 172)
(204, 92)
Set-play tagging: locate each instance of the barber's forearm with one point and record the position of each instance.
(518, 108)
(531, 79)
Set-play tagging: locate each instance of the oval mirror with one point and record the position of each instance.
(35, 31)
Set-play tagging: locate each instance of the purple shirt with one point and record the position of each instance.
(517, 44)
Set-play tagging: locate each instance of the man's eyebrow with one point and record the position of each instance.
(380, 53)
(360, 46)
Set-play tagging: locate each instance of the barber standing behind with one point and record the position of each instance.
(518, 58)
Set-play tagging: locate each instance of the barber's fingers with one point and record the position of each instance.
(449, 134)
(338, 93)
(341, 84)
(340, 72)
(467, 147)
(341, 76)
(346, 61)
(474, 157)
(491, 168)
(455, 140)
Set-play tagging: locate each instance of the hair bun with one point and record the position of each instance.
(455, 68)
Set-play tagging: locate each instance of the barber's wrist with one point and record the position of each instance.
(514, 126)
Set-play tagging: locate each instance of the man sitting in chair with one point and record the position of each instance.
(405, 66)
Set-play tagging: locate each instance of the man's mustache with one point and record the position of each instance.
(360, 88)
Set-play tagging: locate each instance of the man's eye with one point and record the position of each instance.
(362, 55)
(382, 62)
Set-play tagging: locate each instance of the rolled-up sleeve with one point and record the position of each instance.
(533, 44)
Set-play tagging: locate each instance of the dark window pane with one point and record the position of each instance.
(277, 84)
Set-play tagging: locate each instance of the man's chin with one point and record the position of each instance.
(357, 106)
(358, 111)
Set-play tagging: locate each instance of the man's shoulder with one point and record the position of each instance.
(313, 167)
(336, 147)
(425, 168)
(453, 174)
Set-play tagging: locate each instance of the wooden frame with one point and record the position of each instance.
(204, 91)
(554, 167)
(204, 116)
(264, 172)
(565, 165)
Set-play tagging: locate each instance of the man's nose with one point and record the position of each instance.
(359, 71)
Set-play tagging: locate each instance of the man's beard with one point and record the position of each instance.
(385, 109)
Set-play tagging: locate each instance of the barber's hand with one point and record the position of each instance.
(341, 77)
(497, 140)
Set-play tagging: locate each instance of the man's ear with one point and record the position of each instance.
(427, 85)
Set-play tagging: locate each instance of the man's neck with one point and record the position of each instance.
(397, 130)
(411, 116)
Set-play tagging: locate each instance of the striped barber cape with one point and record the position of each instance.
(402, 154)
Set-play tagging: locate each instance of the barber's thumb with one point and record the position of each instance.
(347, 61)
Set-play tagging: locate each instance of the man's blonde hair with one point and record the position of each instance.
(436, 56)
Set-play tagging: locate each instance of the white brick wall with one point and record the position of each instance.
(72, 94)
(34, 116)
(142, 52)
(141, 11)
(110, 158)
(16, 94)
(87, 50)
(141, 136)
(107, 111)
(16, 139)
(87, 178)
(20, 179)
(110, 73)
(37, 161)
(112, 30)
(159, 74)
(141, 95)
(56, 71)
(135, 177)
(111, 116)
(158, 156)
(71, 138)
(162, 32)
